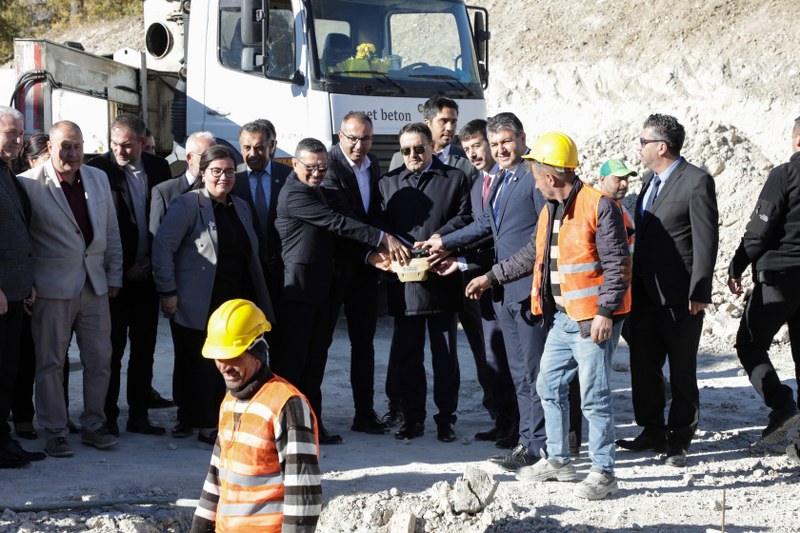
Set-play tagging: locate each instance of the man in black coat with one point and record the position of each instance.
(419, 199)
(306, 226)
(132, 174)
(351, 185)
(677, 236)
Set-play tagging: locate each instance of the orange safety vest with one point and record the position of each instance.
(251, 484)
(578, 261)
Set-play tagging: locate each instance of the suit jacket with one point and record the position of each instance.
(456, 158)
(185, 257)
(307, 226)
(61, 260)
(344, 197)
(520, 206)
(480, 254)
(161, 196)
(437, 203)
(16, 252)
(270, 243)
(157, 170)
(676, 243)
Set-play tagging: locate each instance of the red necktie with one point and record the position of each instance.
(487, 182)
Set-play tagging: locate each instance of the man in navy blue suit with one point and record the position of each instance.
(511, 213)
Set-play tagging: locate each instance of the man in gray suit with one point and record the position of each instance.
(677, 235)
(77, 267)
(16, 279)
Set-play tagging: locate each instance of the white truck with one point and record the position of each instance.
(217, 64)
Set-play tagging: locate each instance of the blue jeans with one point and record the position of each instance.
(565, 353)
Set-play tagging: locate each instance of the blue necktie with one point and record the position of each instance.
(654, 185)
(499, 196)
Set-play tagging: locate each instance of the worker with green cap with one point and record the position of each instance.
(264, 473)
(613, 182)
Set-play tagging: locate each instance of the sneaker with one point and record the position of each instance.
(781, 421)
(596, 486)
(520, 456)
(58, 447)
(793, 453)
(100, 438)
(547, 470)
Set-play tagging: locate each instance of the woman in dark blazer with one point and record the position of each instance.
(205, 253)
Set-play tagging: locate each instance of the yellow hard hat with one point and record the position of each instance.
(555, 149)
(232, 328)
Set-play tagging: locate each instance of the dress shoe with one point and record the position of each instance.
(519, 457)
(156, 401)
(642, 443)
(509, 442)
(181, 430)
(13, 448)
(780, 422)
(58, 447)
(111, 427)
(676, 456)
(494, 434)
(393, 417)
(328, 438)
(143, 425)
(410, 430)
(446, 431)
(368, 422)
(207, 437)
(25, 430)
(8, 460)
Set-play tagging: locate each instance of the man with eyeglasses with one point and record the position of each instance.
(351, 184)
(16, 279)
(421, 198)
(259, 184)
(132, 174)
(160, 198)
(307, 225)
(677, 236)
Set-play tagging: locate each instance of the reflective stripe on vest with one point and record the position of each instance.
(251, 487)
(580, 271)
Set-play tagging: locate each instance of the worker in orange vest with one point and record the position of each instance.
(264, 473)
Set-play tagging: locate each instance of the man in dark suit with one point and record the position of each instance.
(419, 199)
(677, 235)
(351, 185)
(259, 184)
(162, 194)
(132, 173)
(16, 279)
(160, 198)
(513, 207)
(306, 226)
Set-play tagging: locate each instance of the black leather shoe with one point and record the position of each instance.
(393, 417)
(14, 449)
(410, 430)
(676, 456)
(156, 401)
(494, 434)
(111, 427)
(446, 432)
(369, 423)
(328, 438)
(143, 425)
(519, 457)
(210, 438)
(643, 443)
(509, 442)
(11, 461)
(181, 430)
(780, 422)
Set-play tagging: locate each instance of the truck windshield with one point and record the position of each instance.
(403, 46)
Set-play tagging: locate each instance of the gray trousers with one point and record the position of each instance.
(52, 325)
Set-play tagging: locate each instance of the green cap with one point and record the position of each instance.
(615, 167)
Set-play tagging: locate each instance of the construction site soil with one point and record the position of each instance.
(728, 70)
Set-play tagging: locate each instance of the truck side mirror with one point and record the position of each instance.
(480, 37)
(252, 22)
